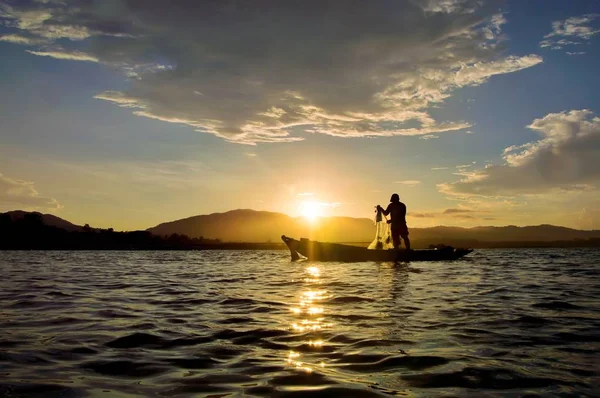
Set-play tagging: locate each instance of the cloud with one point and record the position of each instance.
(464, 216)
(575, 27)
(18, 194)
(454, 213)
(422, 215)
(458, 211)
(408, 183)
(576, 53)
(571, 31)
(567, 157)
(52, 20)
(119, 98)
(448, 6)
(73, 56)
(439, 168)
(252, 73)
(18, 39)
(429, 137)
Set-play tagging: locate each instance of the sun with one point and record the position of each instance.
(311, 210)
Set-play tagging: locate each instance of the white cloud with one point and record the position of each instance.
(429, 137)
(18, 39)
(447, 6)
(45, 21)
(478, 73)
(574, 26)
(408, 183)
(120, 99)
(576, 53)
(439, 168)
(252, 76)
(73, 56)
(567, 157)
(18, 195)
(571, 31)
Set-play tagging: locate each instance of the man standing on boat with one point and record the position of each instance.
(397, 210)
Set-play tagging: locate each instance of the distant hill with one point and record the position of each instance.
(47, 219)
(35, 231)
(244, 226)
(542, 233)
(262, 226)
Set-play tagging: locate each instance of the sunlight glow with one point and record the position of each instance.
(311, 210)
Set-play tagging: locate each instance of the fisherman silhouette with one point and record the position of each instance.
(397, 210)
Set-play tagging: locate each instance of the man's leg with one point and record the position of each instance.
(396, 239)
(406, 241)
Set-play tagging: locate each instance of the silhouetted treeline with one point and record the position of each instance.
(30, 233)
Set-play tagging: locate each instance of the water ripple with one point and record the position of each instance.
(501, 323)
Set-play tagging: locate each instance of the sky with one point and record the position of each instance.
(126, 114)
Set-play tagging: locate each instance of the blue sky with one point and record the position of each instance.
(273, 106)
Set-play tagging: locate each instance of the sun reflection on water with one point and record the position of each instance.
(292, 360)
(310, 319)
(314, 273)
(315, 310)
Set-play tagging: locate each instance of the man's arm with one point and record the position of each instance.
(387, 210)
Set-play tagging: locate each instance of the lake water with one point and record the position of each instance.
(226, 323)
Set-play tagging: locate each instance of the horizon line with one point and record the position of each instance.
(303, 217)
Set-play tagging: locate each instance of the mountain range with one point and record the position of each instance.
(263, 226)
(246, 225)
(47, 219)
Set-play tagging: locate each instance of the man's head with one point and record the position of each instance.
(395, 198)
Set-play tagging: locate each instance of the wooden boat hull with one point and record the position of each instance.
(320, 251)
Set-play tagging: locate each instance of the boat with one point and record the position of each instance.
(322, 251)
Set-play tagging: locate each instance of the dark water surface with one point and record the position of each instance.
(498, 323)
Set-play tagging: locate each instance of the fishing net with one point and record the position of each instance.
(383, 235)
